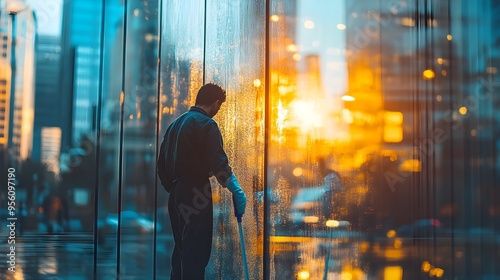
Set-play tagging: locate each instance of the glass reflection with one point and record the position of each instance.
(369, 126)
(181, 75)
(234, 58)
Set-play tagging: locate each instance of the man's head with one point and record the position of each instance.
(209, 98)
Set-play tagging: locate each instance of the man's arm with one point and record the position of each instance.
(217, 161)
(219, 166)
(161, 168)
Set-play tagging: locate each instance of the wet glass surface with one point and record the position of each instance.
(374, 132)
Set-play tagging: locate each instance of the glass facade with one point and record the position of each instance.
(364, 134)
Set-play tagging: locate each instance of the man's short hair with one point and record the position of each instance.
(210, 93)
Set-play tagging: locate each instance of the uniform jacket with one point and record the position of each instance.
(192, 147)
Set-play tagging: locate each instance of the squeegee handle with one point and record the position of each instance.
(236, 214)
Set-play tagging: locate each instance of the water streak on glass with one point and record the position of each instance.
(234, 59)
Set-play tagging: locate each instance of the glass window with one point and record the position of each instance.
(381, 122)
(234, 59)
(181, 74)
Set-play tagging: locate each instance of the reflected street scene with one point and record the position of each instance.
(364, 134)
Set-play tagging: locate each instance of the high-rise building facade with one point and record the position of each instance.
(47, 89)
(80, 68)
(18, 64)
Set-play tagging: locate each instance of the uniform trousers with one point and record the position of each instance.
(191, 218)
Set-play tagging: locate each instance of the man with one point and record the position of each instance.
(191, 152)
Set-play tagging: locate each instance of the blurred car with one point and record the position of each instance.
(424, 228)
(307, 204)
(131, 223)
(313, 205)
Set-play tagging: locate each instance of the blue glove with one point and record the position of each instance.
(239, 197)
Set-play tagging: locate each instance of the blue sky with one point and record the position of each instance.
(49, 15)
(325, 40)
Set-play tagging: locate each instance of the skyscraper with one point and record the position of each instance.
(5, 76)
(80, 68)
(47, 88)
(18, 27)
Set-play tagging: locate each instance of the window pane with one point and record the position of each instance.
(108, 145)
(181, 75)
(382, 144)
(137, 140)
(234, 59)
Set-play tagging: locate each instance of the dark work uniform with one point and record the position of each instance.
(193, 151)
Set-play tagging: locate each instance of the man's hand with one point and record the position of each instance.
(239, 197)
